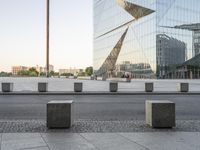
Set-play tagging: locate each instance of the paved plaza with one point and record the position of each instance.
(64, 84)
(101, 141)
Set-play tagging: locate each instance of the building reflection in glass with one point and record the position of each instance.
(162, 35)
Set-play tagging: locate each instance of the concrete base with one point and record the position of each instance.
(7, 87)
(78, 87)
(60, 114)
(113, 87)
(128, 79)
(149, 87)
(160, 114)
(42, 87)
(183, 87)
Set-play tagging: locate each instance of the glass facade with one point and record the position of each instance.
(144, 38)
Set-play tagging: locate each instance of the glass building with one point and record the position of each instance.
(144, 38)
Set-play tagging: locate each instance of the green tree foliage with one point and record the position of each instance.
(43, 74)
(81, 74)
(53, 73)
(67, 74)
(32, 72)
(5, 74)
(89, 71)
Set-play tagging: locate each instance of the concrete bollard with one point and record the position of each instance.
(160, 114)
(78, 87)
(7, 87)
(60, 114)
(42, 87)
(149, 87)
(183, 87)
(128, 79)
(113, 87)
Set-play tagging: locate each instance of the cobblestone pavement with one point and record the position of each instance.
(12, 126)
(101, 141)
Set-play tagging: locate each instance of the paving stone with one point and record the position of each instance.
(37, 148)
(14, 136)
(162, 140)
(110, 141)
(71, 146)
(23, 142)
(62, 137)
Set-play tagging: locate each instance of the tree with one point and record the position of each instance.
(5, 74)
(23, 73)
(81, 74)
(53, 73)
(33, 72)
(42, 74)
(67, 74)
(89, 71)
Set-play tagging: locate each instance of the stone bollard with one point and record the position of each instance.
(128, 79)
(160, 114)
(42, 87)
(183, 87)
(149, 87)
(60, 114)
(78, 87)
(113, 86)
(7, 87)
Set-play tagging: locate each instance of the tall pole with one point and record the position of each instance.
(47, 40)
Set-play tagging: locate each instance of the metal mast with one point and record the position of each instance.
(47, 39)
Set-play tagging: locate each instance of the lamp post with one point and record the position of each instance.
(47, 39)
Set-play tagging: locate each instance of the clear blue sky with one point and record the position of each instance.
(22, 33)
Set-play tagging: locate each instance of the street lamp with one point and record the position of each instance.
(47, 39)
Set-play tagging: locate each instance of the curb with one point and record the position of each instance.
(99, 93)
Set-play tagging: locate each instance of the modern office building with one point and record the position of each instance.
(146, 38)
(170, 53)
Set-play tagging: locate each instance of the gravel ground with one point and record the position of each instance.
(83, 126)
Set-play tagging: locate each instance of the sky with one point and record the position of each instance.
(22, 33)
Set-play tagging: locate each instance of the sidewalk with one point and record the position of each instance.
(101, 141)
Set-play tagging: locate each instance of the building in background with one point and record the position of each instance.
(170, 53)
(73, 71)
(195, 29)
(16, 69)
(188, 70)
(153, 36)
(39, 69)
(51, 68)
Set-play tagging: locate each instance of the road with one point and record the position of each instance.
(96, 107)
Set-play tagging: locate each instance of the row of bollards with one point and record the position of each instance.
(78, 87)
(159, 114)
